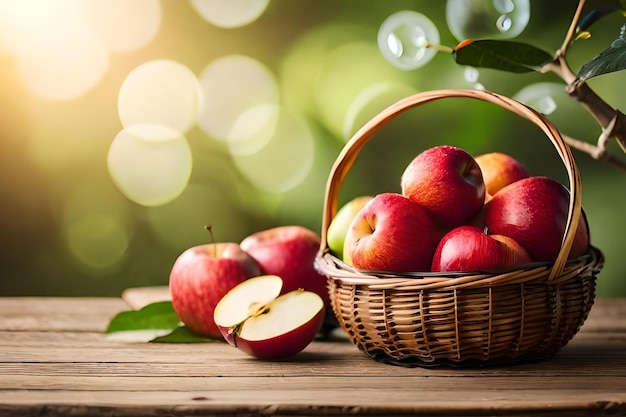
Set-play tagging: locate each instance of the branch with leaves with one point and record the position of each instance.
(517, 57)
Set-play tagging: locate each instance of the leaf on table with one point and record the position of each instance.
(501, 55)
(156, 322)
(155, 316)
(181, 335)
(610, 60)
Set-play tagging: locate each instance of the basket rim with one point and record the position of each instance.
(533, 272)
(348, 154)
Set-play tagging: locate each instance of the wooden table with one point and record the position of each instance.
(56, 361)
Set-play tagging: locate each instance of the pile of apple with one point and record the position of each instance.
(262, 295)
(457, 213)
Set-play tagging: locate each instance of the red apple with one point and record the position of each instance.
(340, 224)
(257, 320)
(392, 233)
(289, 252)
(499, 170)
(468, 248)
(201, 276)
(533, 211)
(447, 182)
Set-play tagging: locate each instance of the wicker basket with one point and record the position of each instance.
(461, 319)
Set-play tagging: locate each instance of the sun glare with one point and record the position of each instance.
(62, 47)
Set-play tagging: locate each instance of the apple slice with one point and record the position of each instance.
(257, 320)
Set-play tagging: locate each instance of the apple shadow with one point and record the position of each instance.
(306, 357)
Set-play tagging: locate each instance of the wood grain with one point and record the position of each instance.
(55, 360)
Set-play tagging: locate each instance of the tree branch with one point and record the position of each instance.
(612, 121)
(595, 152)
(569, 37)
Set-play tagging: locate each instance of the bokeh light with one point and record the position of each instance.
(21, 21)
(494, 19)
(150, 164)
(241, 101)
(347, 71)
(97, 225)
(253, 129)
(180, 224)
(404, 39)
(285, 160)
(62, 47)
(98, 240)
(124, 25)
(371, 101)
(230, 14)
(162, 92)
(62, 59)
(304, 61)
(126, 126)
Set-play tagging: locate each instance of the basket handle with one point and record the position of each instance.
(348, 155)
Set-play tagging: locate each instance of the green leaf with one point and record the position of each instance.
(611, 59)
(501, 55)
(159, 315)
(182, 335)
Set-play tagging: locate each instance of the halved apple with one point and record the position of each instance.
(257, 320)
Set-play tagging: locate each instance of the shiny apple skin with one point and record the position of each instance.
(201, 276)
(468, 248)
(533, 211)
(392, 233)
(447, 182)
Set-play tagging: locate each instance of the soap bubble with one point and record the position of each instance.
(541, 96)
(480, 19)
(403, 39)
(471, 74)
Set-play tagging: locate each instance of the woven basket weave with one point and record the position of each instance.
(461, 319)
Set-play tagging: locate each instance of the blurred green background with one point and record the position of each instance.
(97, 194)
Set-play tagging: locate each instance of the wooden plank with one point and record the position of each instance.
(139, 297)
(40, 306)
(93, 314)
(318, 359)
(58, 314)
(265, 400)
(18, 347)
(56, 361)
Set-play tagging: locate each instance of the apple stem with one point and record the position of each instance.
(210, 229)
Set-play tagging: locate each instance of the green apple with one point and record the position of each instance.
(340, 224)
